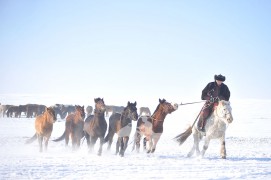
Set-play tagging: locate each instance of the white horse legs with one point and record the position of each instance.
(205, 146)
(195, 145)
(153, 142)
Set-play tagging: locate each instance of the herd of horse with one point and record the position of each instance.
(94, 126)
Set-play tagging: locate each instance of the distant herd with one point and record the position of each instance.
(61, 110)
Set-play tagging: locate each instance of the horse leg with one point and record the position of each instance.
(124, 145)
(118, 144)
(145, 144)
(92, 143)
(101, 146)
(205, 146)
(110, 141)
(195, 145)
(155, 141)
(110, 138)
(40, 139)
(74, 142)
(137, 141)
(67, 138)
(87, 138)
(149, 139)
(46, 143)
(223, 148)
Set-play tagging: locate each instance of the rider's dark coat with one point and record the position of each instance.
(212, 89)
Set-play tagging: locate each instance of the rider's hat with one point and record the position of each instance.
(220, 77)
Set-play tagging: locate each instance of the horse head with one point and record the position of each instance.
(224, 110)
(168, 107)
(132, 111)
(99, 105)
(81, 111)
(51, 112)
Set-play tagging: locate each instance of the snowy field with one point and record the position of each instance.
(248, 144)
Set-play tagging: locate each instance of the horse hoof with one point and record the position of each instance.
(148, 151)
(223, 157)
(152, 151)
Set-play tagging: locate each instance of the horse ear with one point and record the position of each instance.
(160, 100)
(128, 104)
(135, 103)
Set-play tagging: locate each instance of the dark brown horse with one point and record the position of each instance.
(74, 127)
(152, 126)
(95, 126)
(121, 123)
(44, 127)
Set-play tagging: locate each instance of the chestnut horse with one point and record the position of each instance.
(95, 126)
(152, 126)
(74, 127)
(121, 123)
(44, 127)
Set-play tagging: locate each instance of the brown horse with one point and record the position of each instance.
(152, 126)
(95, 126)
(44, 127)
(121, 123)
(74, 127)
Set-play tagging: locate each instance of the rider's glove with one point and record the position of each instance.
(212, 100)
(216, 99)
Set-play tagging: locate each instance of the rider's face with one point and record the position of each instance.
(219, 82)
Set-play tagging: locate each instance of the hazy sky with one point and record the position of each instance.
(143, 49)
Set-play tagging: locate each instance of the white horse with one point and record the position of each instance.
(215, 127)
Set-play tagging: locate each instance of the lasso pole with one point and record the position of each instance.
(182, 104)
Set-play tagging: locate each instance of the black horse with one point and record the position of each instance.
(122, 125)
(95, 126)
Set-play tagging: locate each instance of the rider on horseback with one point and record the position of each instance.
(213, 92)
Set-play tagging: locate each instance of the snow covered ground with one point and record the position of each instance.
(248, 143)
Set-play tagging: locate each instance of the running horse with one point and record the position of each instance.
(95, 126)
(121, 123)
(215, 128)
(152, 126)
(44, 127)
(74, 127)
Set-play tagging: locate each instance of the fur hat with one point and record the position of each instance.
(220, 77)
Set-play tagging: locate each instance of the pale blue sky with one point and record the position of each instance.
(135, 49)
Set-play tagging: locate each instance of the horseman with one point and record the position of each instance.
(213, 92)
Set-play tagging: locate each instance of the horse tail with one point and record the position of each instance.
(31, 139)
(61, 137)
(181, 138)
